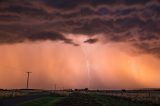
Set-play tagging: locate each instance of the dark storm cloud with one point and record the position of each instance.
(24, 10)
(39, 36)
(91, 40)
(131, 21)
(8, 18)
(67, 4)
(54, 36)
(47, 36)
(152, 47)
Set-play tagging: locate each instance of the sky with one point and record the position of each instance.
(95, 44)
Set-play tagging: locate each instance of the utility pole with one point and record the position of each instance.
(28, 74)
(55, 87)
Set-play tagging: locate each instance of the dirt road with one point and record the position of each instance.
(17, 100)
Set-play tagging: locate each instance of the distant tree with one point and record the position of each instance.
(123, 91)
(85, 89)
(76, 89)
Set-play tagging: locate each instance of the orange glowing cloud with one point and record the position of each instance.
(97, 66)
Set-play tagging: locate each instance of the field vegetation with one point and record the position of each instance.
(79, 98)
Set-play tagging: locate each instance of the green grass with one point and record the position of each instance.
(104, 100)
(45, 101)
(11, 94)
(118, 101)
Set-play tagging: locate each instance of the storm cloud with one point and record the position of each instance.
(133, 21)
(91, 41)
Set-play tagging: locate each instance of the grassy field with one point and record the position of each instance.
(78, 98)
(93, 99)
(11, 93)
(106, 100)
(153, 97)
(28, 98)
(86, 99)
(44, 101)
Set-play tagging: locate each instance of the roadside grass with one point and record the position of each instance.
(44, 101)
(78, 99)
(11, 94)
(107, 100)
